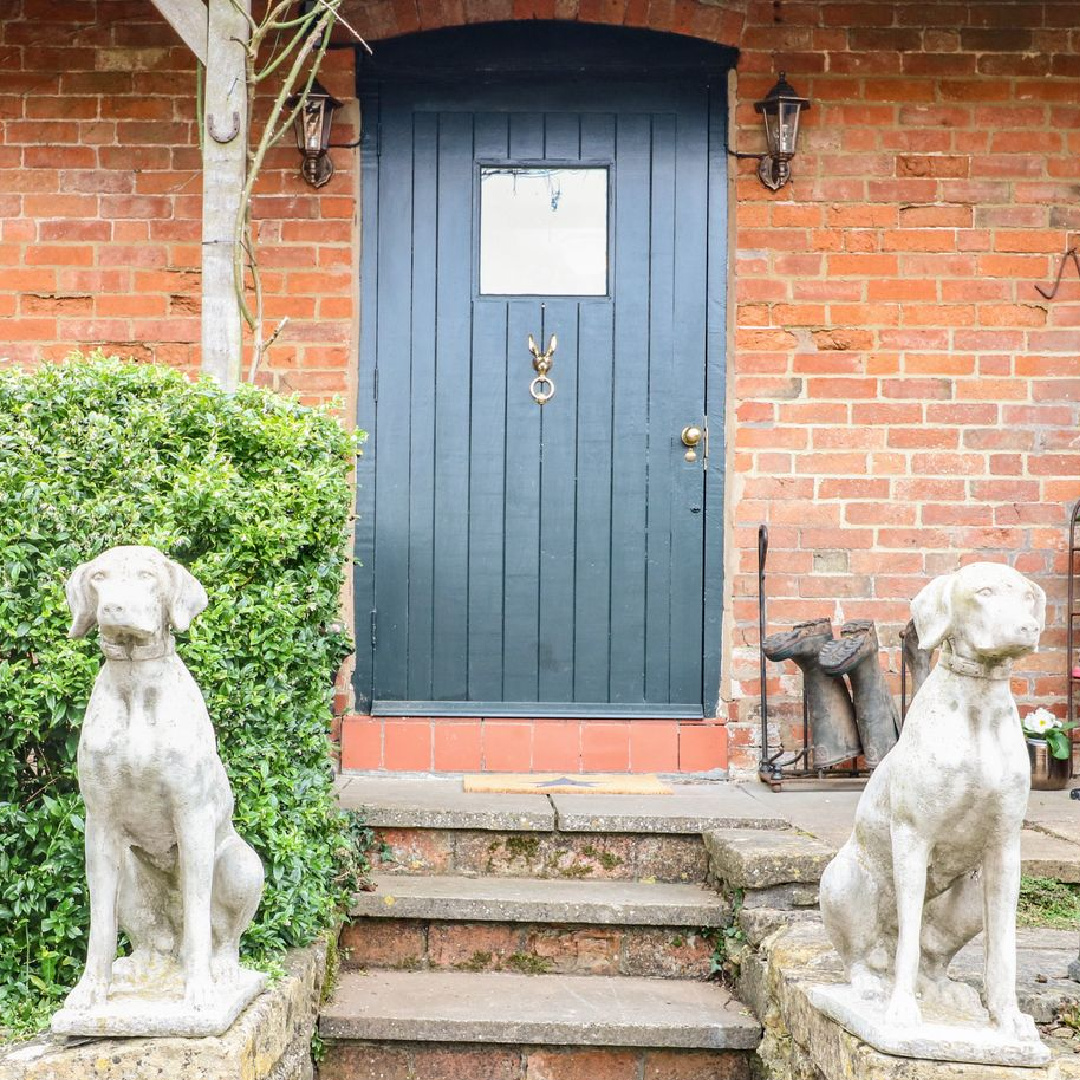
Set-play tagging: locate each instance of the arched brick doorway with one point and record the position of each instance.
(718, 21)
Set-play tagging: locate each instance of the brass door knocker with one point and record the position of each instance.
(542, 387)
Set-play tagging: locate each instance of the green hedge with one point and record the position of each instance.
(251, 492)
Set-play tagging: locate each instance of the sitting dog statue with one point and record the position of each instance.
(163, 860)
(936, 840)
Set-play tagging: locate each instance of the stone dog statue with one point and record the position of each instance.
(162, 858)
(937, 830)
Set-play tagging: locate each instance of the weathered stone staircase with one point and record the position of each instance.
(527, 938)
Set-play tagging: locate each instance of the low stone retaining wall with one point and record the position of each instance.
(271, 1040)
(800, 1043)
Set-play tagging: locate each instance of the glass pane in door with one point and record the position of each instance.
(543, 231)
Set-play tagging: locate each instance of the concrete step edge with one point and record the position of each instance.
(441, 804)
(760, 859)
(537, 900)
(556, 1010)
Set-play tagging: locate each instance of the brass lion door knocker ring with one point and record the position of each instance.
(542, 388)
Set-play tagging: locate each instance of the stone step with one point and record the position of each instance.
(661, 952)
(507, 900)
(365, 1060)
(432, 826)
(441, 803)
(534, 927)
(768, 869)
(546, 855)
(563, 1010)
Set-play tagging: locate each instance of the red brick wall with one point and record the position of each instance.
(100, 202)
(902, 397)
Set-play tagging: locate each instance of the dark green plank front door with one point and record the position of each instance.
(524, 559)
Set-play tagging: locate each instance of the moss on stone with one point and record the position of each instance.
(479, 961)
(529, 963)
(523, 847)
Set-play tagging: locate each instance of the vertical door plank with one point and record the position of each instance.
(487, 479)
(419, 450)
(521, 606)
(526, 136)
(592, 600)
(562, 136)
(596, 379)
(491, 136)
(716, 396)
(691, 207)
(665, 447)
(631, 403)
(453, 299)
(394, 406)
(366, 416)
(558, 468)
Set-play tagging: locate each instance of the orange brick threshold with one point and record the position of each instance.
(453, 744)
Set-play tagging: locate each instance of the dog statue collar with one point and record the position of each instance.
(115, 650)
(963, 666)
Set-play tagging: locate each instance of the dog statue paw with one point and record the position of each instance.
(199, 992)
(903, 1011)
(1014, 1024)
(164, 862)
(936, 841)
(87, 993)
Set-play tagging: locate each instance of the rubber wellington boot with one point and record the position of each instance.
(829, 711)
(916, 659)
(855, 654)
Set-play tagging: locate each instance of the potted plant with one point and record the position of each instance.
(1049, 750)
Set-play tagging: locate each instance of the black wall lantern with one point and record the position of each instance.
(780, 107)
(312, 126)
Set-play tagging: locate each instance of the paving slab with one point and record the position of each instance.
(688, 809)
(527, 900)
(1042, 855)
(440, 803)
(1042, 960)
(1054, 813)
(548, 1010)
(828, 815)
(1049, 845)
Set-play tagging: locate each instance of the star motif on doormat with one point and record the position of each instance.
(566, 781)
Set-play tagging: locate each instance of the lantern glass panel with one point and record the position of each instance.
(787, 129)
(771, 130)
(313, 117)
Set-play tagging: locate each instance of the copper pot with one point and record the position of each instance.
(1048, 773)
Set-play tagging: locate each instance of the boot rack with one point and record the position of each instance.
(784, 766)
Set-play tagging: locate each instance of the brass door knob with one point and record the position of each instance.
(691, 436)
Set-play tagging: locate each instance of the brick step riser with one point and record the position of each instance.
(667, 952)
(580, 856)
(357, 1060)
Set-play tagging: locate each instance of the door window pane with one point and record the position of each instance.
(543, 231)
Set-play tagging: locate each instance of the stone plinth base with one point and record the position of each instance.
(269, 1040)
(938, 1038)
(133, 1013)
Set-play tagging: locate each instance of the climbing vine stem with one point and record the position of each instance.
(297, 46)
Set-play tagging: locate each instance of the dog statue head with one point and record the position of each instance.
(987, 611)
(134, 594)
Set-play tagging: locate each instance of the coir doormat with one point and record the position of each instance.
(563, 784)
